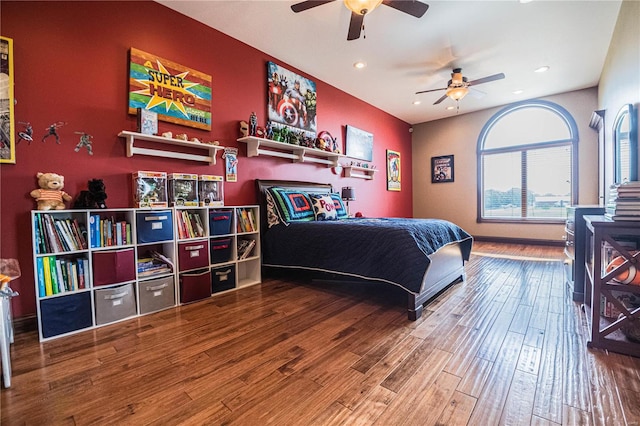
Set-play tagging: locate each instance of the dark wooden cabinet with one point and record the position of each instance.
(607, 240)
(575, 246)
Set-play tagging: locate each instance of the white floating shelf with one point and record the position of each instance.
(299, 154)
(359, 172)
(131, 137)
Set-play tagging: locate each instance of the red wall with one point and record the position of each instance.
(71, 65)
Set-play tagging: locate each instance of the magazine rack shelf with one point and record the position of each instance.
(98, 267)
(607, 313)
(132, 137)
(299, 154)
(359, 172)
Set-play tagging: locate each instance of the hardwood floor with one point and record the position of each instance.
(507, 347)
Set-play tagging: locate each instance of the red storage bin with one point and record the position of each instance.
(193, 255)
(195, 286)
(113, 266)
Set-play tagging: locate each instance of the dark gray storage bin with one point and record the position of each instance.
(115, 303)
(156, 295)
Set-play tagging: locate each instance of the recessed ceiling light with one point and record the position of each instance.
(449, 108)
(360, 65)
(542, 69)
(525, 1)
(517, 92)
(417, 102)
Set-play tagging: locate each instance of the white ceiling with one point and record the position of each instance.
(406, 54)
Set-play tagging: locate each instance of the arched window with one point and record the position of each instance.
(527, 163)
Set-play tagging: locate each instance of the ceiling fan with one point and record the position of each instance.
(458, 87)
(359, 8)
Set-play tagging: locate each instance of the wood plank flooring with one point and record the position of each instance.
(507, 347)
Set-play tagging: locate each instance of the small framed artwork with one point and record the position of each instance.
(393, 171)
(359, 144)
(442, 169)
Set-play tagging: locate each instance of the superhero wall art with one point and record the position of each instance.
(291, 99)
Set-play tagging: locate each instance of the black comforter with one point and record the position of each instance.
(394, 250)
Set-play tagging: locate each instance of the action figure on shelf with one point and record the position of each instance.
(85, 142)
(253, 124)
(27, 134)
(53, 131)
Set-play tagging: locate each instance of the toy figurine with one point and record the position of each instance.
(253, 124)
(53, 131)
(85, 142)
(27, 135)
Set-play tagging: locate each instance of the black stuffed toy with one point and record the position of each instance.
(93, 198)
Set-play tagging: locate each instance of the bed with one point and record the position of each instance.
(421, 256)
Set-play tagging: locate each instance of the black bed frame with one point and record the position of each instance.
(446, 265)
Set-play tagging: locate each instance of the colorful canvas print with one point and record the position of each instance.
(291, 100)
(393, 171)
(7, 118)
(176, 93)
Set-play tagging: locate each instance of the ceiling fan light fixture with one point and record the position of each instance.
(362, 7)
(457, 93)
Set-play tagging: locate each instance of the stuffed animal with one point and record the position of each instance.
(93, 198)
(50, 195)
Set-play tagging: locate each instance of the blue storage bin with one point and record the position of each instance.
(223, 278)
(154, 225)
(220, 250)
(64, 314)
(220, 222)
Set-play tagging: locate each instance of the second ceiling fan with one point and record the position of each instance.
(359, 8)
(458, 87)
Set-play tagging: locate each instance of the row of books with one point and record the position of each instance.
(57, 235)
(107, 232)
(624, 202)
(155, 264)
(57, 275)
(246, 220)
(245, 247)
(189, 224)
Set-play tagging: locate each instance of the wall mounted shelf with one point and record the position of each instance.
(299, 154)
(359, 172)
(131, 137)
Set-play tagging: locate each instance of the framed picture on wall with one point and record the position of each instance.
(176, 93)
(393, 171)
(291, 100)
(442, 169)
(359, 144)
(7, 117)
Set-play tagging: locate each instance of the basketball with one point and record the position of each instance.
(630, 276)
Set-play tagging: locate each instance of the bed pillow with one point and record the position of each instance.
(292, 205)
(341, 210)
(324, 207)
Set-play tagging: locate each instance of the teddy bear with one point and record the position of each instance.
(93, 198)
(50, 195)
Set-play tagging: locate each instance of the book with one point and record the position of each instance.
(54, 275)
(47, 276)
(40, 268)
(147, 121)
(61, 283)
(245, 218)
(252, 220)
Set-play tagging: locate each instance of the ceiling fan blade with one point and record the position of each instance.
(412, 7)
(299, 7)
(486, 79)
(440, 100)
(478, 94)
(431, 90)
(355, 26)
